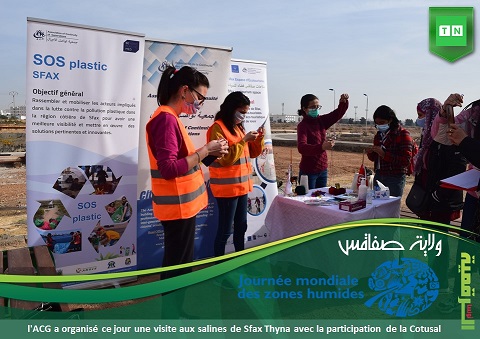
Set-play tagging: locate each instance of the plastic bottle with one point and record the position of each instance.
(304, 182)
(370, 194)
(362, 190)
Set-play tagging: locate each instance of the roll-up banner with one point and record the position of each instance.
(83, 106)
(214, 62)
(250, 78)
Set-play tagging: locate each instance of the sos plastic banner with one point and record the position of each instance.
(83, 99)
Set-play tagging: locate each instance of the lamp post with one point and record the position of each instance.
(355, 113)
(335, 124)
(366, 115)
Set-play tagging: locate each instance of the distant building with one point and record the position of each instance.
(18, 112)
(279, 118)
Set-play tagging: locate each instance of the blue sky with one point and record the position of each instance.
(375, 47)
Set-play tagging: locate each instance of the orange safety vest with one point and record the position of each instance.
(234, 180)
(181, 197)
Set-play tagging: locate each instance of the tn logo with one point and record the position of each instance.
(450, 30)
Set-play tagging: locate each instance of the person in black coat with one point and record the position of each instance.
(468, 146)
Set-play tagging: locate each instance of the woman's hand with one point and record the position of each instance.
(456, 134)
(250, 136)
(454, 100)
(344, 97)
(377, 149)
(328, 145)
(217, 147)
(261, 131)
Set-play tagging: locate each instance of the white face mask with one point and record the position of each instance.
(383, 128)
(239, 117)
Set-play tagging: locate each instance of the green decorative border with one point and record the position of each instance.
(9, 289)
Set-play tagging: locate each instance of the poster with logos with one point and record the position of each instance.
(214, 62)
(250, 78)
(83, 105)
(363, 278)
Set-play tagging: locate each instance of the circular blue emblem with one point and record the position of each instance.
(405, 287)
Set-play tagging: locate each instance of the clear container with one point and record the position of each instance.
(370, 195)
(362, 190)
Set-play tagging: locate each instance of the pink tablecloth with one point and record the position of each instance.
(288, 217)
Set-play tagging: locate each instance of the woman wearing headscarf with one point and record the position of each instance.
(433, 162)
(467, 120)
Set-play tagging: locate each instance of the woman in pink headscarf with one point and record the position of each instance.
(433, 162)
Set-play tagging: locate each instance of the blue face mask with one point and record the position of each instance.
(382, 128)
(420, 122)
(313, 112)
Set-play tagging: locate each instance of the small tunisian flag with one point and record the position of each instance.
(361, 174)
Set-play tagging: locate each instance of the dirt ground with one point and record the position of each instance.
(13, 230)
(13, 212)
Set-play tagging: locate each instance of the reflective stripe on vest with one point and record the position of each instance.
(230, 181)
(234, 180)
(181, 197)
(178, 199)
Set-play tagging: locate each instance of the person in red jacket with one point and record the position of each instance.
(392, 150)
(312, 142)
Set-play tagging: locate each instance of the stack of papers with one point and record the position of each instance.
(467, 181)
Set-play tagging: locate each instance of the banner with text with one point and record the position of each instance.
(83, 105)
(214, 62)
(250, 78)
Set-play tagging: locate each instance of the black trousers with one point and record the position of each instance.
(179, 240)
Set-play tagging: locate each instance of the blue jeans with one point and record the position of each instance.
(396, 183)
(316, 180)
(231, 211)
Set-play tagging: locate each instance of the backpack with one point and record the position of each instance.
(444, 161)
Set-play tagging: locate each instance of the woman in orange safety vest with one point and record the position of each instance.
(178, 185)
(231, 175)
